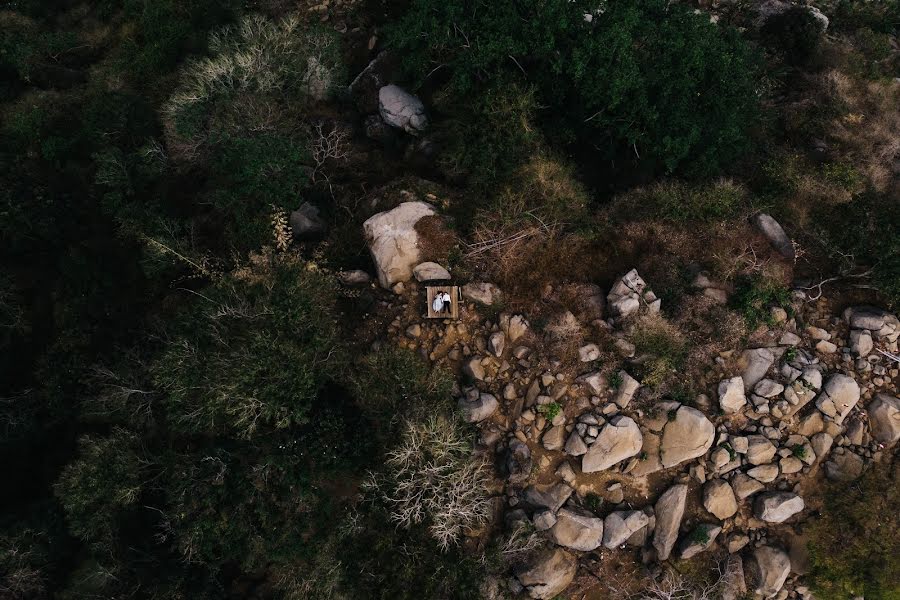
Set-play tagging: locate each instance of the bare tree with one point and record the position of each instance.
(432, 477)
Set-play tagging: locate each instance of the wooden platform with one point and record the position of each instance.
(434, 290)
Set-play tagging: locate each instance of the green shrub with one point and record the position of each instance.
(394, 381)
(794, 33)
(755, 295)
(643, 77)
(550, 411)
(852, 549)
(97, 488)
(253, 352)
(681, 202)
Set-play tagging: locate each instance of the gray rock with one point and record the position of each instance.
(497, 343)
(354, 277)
(589, 353)
(774, 232)
(549, 496)
(771, 567)
(669, 512)
(518, 461)
(767, 388)
(846, 466)
(626, 390)
(619, 439)
(861, 342)
(306, 222)
(595, 382)
(701, 538)
(514, 326)
(777, 507)
(544, 520)
(688, 436)
(577, 529)
(718, 499)
(745, 486)
(547, 574)
(764, 473)
(430, 271)
(482, 293)
(866, 317)
(475, 410)
(621, 525)
(402, 110)
(838, 397)
(821, 444)
(627, 295)
(554, 438)
(884, 418)
(474, 369)
(394, 242)
(758, 361)
(575, 445)
(731, 395)
(760, 451)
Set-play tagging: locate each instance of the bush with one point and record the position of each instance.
(794, 33)
(665, 346)
(850, 550)
(755, 295)
(100, 485)
(644, 77)
(682, 202)
(253, 352)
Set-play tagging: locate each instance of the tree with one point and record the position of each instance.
(647, 77)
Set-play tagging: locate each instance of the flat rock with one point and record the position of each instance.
(718, 499)
(731, 395)
(549, 496)
(758, 361)
(838, 397)
(482, 293)
(669, 512)
(402, 110)
(846, 466)
(771, 567)
(578, 530)
(776, 235)
(760, 450)
(430, 271)
(548, 574)
(475, 410)
(777, 507)
(884, 418)
(619, 439)
(745, 486)
(626, 390)
(701, 538)
(688, 436)
(621, 525)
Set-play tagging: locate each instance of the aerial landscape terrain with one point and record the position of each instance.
(450, 299)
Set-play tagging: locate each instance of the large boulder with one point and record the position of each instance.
(844, 466)
(774, 232)
(482, 293)
(401, 109)
(577, 529)
(548, 574)
(884, 418)
(777, 507)
(619, 439)
(687, 435)
(770, 567)
(718, 498)
(838, 397)
(621, 525)
(669, 512)
(430, 271)
(394, 242)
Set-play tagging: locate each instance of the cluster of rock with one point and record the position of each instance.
(800, 402)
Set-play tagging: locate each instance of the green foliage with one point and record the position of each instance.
(865, 232)
(491, 134)
(615, 380)
(851, 551)
(682, 202)
(100, 485)
(700, 535)
(550, 411)
(395, 381)
(755, 295)
(253, 352)
(799, 450)
(794, 33)
(651, 77)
